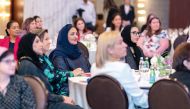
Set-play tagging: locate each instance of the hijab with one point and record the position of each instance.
(126, 34)
(26, 47)
(64, 48)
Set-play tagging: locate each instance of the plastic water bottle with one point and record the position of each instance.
(141, 65)
(152, 75)
(146, 65)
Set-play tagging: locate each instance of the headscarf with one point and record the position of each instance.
(64, 48)
(126, 34)
(26, 47)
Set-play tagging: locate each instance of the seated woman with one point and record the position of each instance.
(67, 56)
(111, 49)
(29, 25)
(29, 52)
(130, 36)
(15, 93)
(155, 41)
(12, 40)
(79, 24)
(57, 78)
(116, 24)
(181, 64)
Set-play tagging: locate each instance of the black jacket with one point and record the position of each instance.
(130, 16)
(182, 76)
(27, 67)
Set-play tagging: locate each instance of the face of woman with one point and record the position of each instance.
(155, 25)
(39, 23)
(72, 36)
(46, 42)
(117, 21)
(14, 29)
(134, 34)
(32, 26)
(37, 46)
(127, 2)
(119, 49)
(80, 25)
(8, 65)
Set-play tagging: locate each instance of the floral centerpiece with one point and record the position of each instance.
(161, 64)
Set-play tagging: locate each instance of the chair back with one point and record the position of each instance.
(39, 90)
(168, 94)
(84, 49)
(104, 92)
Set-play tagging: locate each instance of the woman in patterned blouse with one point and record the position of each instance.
(15, 93)
(154, 41)
(58, 78)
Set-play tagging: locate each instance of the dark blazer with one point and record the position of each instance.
(67, 64)
(182, 76)
(27, 67)
(130, 16)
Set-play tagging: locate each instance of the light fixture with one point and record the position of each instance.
(5, 3)
(140, 5)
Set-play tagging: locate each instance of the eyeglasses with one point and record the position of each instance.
(135, 33)
(8, 61)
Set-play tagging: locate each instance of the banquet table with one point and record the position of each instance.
(77, 87)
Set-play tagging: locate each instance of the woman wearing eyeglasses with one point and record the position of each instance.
(130, 36)
(15, 93)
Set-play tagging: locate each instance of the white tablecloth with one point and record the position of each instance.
(77, 88)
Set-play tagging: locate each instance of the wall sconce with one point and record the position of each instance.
(141, 12)
(5, 8)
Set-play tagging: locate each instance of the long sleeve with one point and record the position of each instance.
(24, 69)
(60, 63)
(27, 97)
(138, 96)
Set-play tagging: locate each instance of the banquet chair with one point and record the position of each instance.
(39, 90)
(168, 94)
(104, 92)
(84, 49)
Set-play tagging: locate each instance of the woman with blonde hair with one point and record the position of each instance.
(110, 50)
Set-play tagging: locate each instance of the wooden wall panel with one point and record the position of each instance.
(179, 13)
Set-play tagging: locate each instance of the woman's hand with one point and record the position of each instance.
(78, 72)
(68, 100)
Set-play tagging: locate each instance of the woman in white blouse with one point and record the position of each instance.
(110, 50)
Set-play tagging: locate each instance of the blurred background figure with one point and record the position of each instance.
(79, 24)
(110, 8)
(39, 22)
(29, 25)
(11, 41)
(89, 14)
(127, 13)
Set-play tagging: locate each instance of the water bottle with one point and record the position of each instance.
(152, 75)
(141, 64)
(146, 65)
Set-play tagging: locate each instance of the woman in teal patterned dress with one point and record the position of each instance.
(57, 78)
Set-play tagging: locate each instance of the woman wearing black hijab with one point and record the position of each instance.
(130, 36)
(30, 49)
(67, 56)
